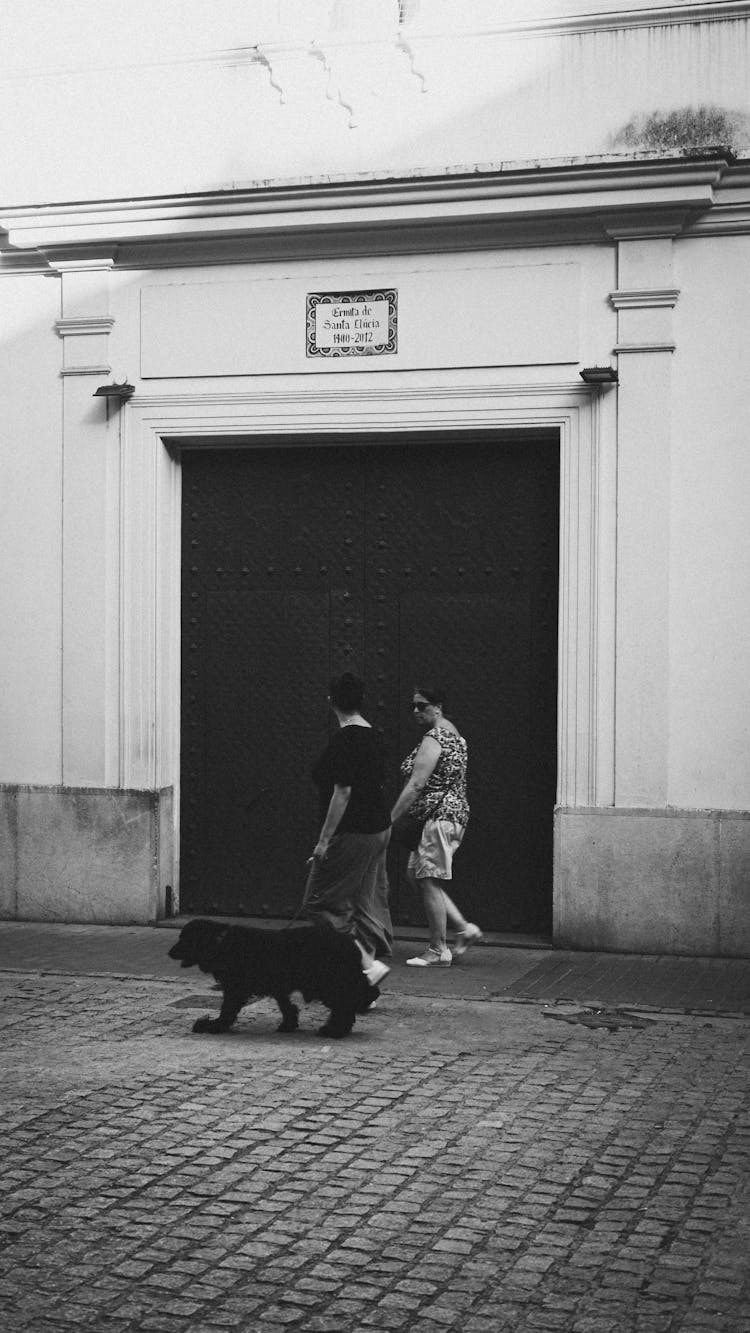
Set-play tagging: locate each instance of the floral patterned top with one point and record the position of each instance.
(444, 797)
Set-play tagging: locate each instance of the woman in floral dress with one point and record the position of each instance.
(435, 789)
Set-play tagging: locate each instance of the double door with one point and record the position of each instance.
(417, 563)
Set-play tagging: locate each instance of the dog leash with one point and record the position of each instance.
(303, 904)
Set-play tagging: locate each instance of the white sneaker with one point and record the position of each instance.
(431, 958)
(464, 938)
(376, 971)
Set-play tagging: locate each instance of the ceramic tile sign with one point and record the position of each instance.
(352, 323)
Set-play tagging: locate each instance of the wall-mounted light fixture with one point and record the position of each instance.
(601, 375)
(115, 393)
(121, 391)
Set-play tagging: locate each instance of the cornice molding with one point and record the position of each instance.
(638, 226)
(724, 219)
(376, 398)
(83, 324)
(621, 348)
(96, 260)
(99, 368)
(645, 299)
(634, 16)
(617, 198)
(26, 264)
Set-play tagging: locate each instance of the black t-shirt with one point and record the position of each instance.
(354, 758)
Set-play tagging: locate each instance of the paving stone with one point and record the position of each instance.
(154, 1182)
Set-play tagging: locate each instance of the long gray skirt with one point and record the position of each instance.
(349, 890)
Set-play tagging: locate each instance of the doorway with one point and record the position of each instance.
(430, 559)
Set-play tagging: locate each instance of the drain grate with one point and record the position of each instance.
(590, 1017)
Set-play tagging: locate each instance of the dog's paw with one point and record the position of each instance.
(207, 1024)
(369, 1001)
(329, 1030)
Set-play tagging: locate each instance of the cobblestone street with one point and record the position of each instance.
(455, 1164)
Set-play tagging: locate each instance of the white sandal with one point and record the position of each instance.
(431, 958)
(465, 938)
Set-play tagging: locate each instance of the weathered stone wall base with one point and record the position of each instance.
(84, 854)
(653, 881)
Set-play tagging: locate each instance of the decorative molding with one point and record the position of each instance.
(96, 259)
(644, 436)
(141, 649)
(101, 369)
(339, 243)
(624, 197)
(645, 298)
(83, 325)
(372, 400)
(621, 348)
(640, 16)
(724, 219)
(640, 226)
(26, 262)
(73, 327)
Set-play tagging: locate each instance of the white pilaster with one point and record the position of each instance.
(644, 301)
(90, 569)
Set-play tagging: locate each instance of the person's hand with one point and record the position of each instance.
(320, 851)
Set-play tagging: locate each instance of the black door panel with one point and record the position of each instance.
(411, 563)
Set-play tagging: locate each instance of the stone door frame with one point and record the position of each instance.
(148, 737)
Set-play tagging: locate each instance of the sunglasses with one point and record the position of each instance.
(421, 704)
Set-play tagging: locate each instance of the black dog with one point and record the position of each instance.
(248, 962)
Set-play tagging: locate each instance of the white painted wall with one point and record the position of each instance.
(706, 713)
(31, 464)
(135, 98)
(155, 109)
(709, 705)
(452, 311)
(532, 307)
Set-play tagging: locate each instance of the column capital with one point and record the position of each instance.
(644, 298)
(85, 322)
(93, 262)
(640, 226)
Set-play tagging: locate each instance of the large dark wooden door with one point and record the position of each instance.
(411, 563)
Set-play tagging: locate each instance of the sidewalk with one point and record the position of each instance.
(461, 1164)
(490, 971)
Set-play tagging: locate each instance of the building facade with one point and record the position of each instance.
(464, 399)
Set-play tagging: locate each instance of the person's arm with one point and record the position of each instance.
(334, 814)
(424, 765)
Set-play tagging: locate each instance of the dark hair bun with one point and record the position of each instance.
(347, 692)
